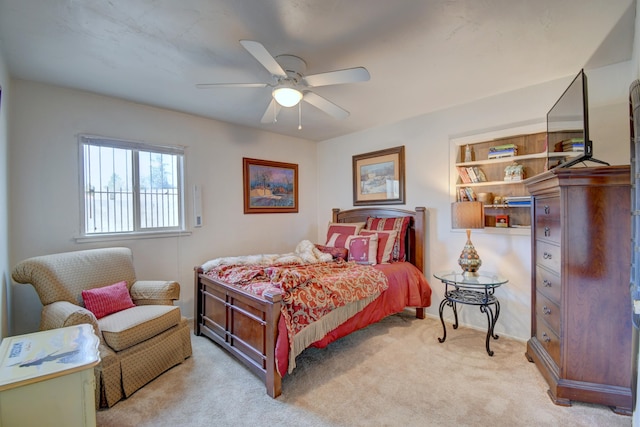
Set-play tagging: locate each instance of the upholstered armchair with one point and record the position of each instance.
(141, 332)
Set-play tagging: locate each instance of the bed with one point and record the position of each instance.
(253, 329)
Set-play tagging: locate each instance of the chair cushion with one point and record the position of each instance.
(132, 326)
(107, 299)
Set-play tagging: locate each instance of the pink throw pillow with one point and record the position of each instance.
(386, 241)
(347, 228)
(338, 240)
(107, 299)
(363, 249)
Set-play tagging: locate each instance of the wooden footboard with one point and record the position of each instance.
(242, 323)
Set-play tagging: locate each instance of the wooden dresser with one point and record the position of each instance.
(580, 302)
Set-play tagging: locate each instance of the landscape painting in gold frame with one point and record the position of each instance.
(378, 177)
(269, 187)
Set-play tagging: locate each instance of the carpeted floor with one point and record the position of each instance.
(393, 373)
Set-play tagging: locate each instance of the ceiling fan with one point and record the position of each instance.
(291, 85)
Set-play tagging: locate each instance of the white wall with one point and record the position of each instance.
(44, 206)
(427, 142)
(5, 278)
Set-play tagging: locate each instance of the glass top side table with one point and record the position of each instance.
(471, 290)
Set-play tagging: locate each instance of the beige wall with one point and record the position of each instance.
(44, 204)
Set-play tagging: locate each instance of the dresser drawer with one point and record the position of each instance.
(547, 219)
(549, 340)
(549, 284)
(548, 311)
(547, 207)
(548, 255)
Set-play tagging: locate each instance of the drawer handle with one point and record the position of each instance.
(547, 283)
(546, 338)
(547, 232)
(546, 255)
(546, 310)
(547, 209)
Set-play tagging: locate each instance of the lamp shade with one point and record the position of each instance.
(287, 96)
(467, 215)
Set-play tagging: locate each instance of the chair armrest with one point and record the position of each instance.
(63, 313)
(146, 292)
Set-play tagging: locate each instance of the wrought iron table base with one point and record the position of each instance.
(465, 296)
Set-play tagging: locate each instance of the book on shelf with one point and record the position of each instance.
(464, 176)
(509, 152)
(472, 174)
(503, 147)
(481, 176)
(471, 195)
(517, 200)
(571, 144)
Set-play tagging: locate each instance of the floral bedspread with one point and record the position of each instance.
(310, 291)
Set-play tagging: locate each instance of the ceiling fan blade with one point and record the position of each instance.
(350, 75)
(271, 113)
(215, 85)
(264, 57)
(325, 105)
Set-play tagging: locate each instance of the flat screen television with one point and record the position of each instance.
(568, 126)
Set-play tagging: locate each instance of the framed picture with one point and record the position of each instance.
(270, 187)
(378, 177)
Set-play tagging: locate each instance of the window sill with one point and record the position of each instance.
(131, 236)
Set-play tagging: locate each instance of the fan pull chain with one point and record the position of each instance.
(275, 113)
(299, 115)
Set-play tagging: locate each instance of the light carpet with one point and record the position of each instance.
(393, 373)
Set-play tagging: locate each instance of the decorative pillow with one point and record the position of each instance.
(107, 299)
(386, 241)
(348, 228)
(338, 240)
(363, 249)
(336, 253)
(400, 224)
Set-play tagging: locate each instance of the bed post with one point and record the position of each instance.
(197, 298)
(418, 247)
(273, 380)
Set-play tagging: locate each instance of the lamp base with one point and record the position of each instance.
(469, 259)
(470, 274)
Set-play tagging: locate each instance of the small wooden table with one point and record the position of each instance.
(46, 378)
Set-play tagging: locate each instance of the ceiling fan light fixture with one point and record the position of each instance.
(287, 96)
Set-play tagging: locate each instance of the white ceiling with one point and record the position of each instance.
(422, 55)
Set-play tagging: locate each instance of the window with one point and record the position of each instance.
(130, 187)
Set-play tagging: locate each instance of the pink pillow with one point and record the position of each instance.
(363, 249)
(347, 228)
(338, 240)
(107, 299)
(386, 241)
(400, 224)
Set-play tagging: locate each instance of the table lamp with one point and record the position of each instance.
(468, 215)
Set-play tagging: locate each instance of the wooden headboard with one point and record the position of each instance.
(415, 239)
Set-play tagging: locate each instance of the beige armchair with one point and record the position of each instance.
(136, 344)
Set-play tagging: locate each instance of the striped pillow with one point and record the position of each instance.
(386, 241)
(400, 224)
(348, 228)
